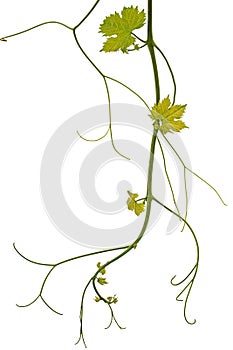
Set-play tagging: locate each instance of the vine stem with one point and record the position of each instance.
(150, 44)
(134, 244)
(149, 196)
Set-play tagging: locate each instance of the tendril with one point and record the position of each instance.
(170, 70)
(29, 303)
(184, 279)
(131, 90)
(29, 260)
(168, 178)
(186, 199)
(56, 312)
(113, 318)
(34, 27)
(108, 94)
(110, 120)
(93, 140)
(192, 172)
(53, 266)
(195, 268)
(43, 300)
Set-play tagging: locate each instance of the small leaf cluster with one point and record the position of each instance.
(102, 281)
(111, 300)
(133, 205)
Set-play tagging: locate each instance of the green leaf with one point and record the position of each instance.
(102, 280)
(138, 208)
(119, 29)
(166, 117)
(97, 299)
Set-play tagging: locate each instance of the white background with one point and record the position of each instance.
(44, 81)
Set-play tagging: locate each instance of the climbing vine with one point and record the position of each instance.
(120, 32)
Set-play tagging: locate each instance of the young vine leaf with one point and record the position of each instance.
(118, 28)
(102, 280)
(138, 208)
(166, 117)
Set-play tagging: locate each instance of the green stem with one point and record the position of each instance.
(151, 159)
(132, 246)
(150, 44)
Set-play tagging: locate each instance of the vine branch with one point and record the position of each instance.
(187, 282)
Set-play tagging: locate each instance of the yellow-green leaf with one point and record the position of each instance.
(118, 28)
(138, 208)
(102, 280)
(166, 117)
